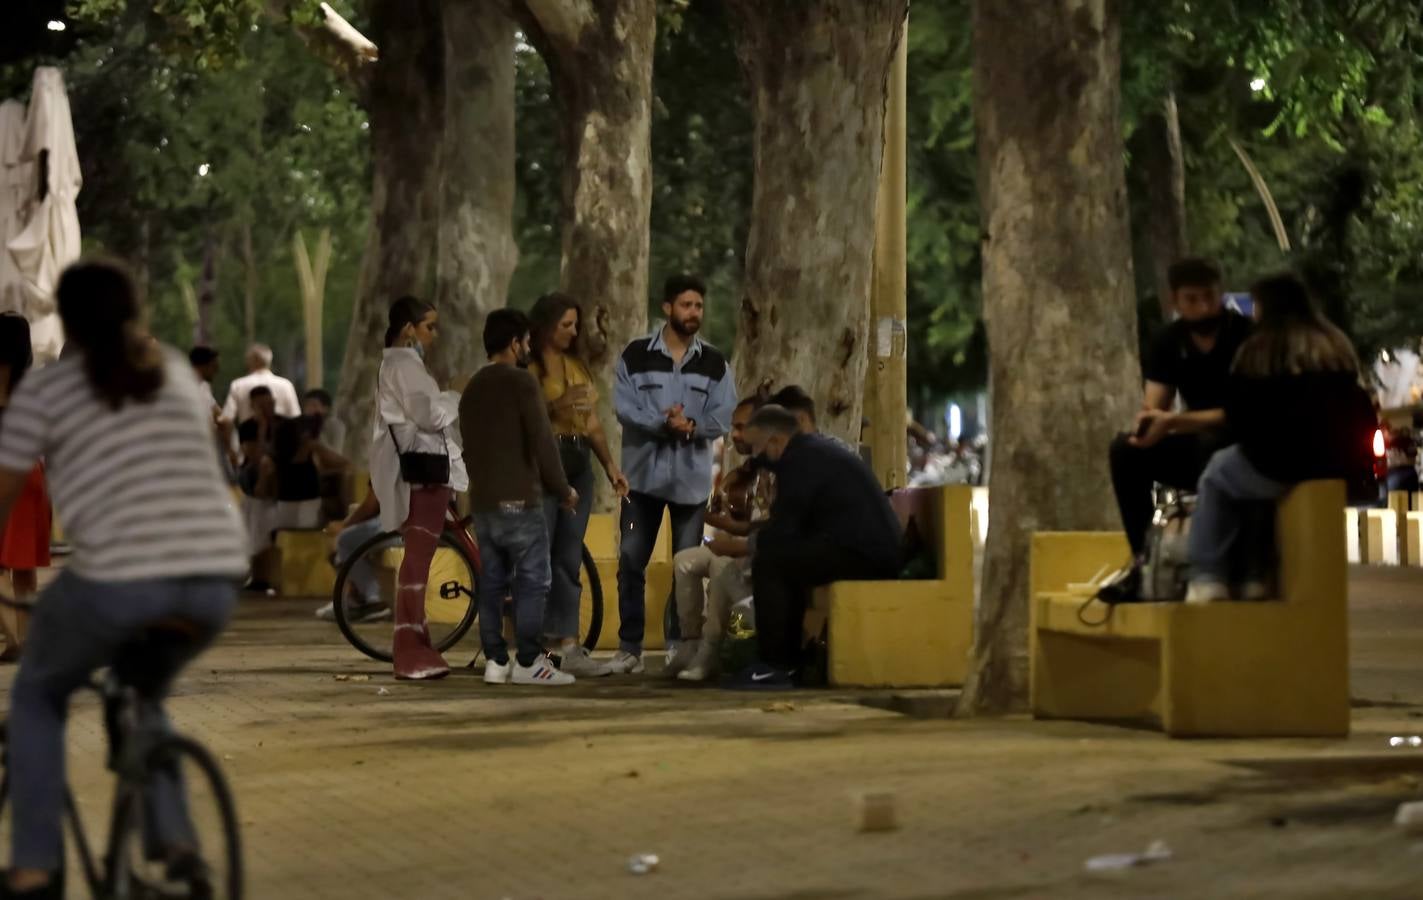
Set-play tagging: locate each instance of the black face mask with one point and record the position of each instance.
(1206, 327)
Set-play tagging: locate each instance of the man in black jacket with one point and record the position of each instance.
(830, 522)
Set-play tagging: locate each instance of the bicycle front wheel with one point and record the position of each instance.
(176, 834)
(366, 584)
(593, 592)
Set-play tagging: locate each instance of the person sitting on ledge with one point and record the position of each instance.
(830, 521)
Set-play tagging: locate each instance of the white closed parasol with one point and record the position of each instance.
(49, 240)
(16, 189)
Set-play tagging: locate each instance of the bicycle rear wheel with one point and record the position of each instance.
(159, 851)
(364, 596)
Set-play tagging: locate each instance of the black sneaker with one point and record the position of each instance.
(762, 677)
(1123, 587)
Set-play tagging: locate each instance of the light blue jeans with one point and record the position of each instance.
(362, 577)
(513, 551)
(79, 626)
(1234, 515)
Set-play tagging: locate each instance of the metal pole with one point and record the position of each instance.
(885, 388)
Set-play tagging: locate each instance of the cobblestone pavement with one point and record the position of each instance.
(459, 790)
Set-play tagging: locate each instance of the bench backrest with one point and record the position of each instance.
(942, 516)
(1309, 532)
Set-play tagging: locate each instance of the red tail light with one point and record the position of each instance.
(1379, 447)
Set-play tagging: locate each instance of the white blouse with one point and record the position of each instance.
(423, 418)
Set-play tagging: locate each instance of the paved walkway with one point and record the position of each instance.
(458, 790)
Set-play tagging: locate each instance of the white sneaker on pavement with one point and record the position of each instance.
(704, 665)
(497, 674)
(1206, 591)
(681, 657)
(625, 663)
(579, 664)
(327, 613)
(541, 672)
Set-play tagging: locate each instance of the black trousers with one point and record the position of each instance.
(1176, 461)
(783, 575)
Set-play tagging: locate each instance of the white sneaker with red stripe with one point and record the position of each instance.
(542, 672)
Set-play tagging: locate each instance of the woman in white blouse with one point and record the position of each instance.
(414, 417)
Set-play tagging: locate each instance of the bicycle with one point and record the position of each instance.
(450, 599)
(133, 867)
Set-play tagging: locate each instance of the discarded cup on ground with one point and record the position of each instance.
(1411, 740)
(1115, 862)
(874, 810)
(643, 863)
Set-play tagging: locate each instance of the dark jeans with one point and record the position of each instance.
(513, 548)
(783, 575)
(1177, 461)
(641, 520)
(566, 529)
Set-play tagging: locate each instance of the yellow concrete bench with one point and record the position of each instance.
(602, 543)
(1275, 668)
(907, 633)
(304, 564)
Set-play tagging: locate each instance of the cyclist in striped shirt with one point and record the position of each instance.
(156, 541)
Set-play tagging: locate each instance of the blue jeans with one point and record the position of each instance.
(513, 548)
(80, 625)
(566, 529)
(641, 520)
(362, 578)
(1234, 507)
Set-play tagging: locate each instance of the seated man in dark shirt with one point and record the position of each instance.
(1190, 360)
(830, 522)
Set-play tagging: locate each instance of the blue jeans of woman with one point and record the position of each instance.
(1234, 504)
(566, 529)
(79, 626)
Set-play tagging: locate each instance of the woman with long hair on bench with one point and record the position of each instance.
(1298, 413)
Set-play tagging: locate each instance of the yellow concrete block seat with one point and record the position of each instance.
(1275, 668)
(304, 564)
(907, 633)
(601, 540)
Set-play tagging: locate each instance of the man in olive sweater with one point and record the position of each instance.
(512, 459)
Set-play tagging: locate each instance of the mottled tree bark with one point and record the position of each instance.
(406, 124)
(599, 56)
(817, 72)
(477, 253)
(1057, 286)
(1164, 170)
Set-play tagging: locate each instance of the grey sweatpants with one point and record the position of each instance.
(79, 626)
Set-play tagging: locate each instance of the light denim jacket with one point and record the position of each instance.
(648, 384)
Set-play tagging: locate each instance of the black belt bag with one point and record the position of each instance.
(573, 453)
(423, 469)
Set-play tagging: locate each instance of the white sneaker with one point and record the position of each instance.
(542, 672)
(497, 674)
(625, 663)
(327, 613)
(1206, 591)
(579, 664)
(1255, 590)
(704, 665)
(680, 657)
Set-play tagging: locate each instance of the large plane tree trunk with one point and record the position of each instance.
(1057, 286)
(477, 253)
(406, 106)
(599, 57)
(817, 71)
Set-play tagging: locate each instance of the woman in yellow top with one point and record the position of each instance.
(572, 408)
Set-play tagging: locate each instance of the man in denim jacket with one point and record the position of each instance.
(674, 396)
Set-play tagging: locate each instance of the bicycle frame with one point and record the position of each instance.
(461, 529)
